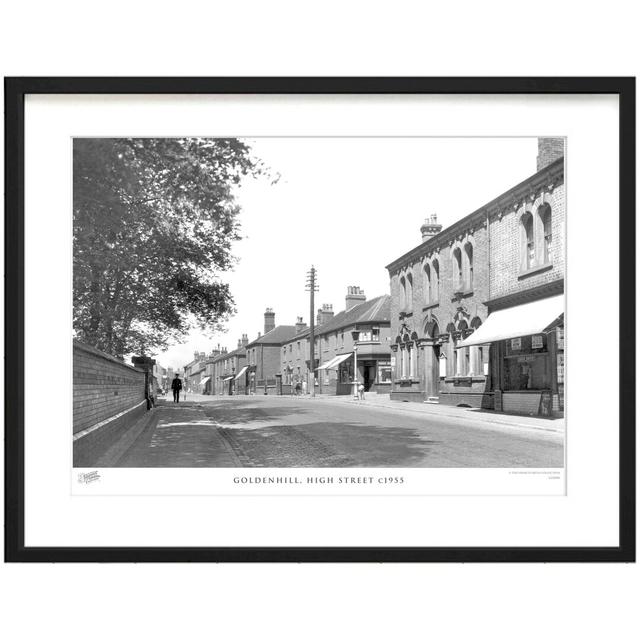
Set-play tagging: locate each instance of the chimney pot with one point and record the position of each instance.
(269, 320)
(355, 296)
(430, 228)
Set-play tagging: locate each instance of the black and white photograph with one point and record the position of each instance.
(319, 302)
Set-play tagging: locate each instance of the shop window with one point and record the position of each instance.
(457, 269)
(528, 244)
(525, 363)
(384, 371)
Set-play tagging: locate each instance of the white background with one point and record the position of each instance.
(587, 516)
(371, 38)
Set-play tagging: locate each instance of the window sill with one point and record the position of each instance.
(457, 295)
(533, 270)
(431, 305)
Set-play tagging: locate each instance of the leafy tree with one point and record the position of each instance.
(154, 221)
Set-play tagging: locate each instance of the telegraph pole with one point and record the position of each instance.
(312, 287)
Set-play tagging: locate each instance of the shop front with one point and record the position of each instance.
(526, 356)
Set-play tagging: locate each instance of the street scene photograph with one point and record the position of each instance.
(319, 302)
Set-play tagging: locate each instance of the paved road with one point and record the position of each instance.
(259, 431)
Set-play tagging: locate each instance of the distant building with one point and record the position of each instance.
(228, 371)
(477, 308)
(333, 369)
(194, 372)
(263, 355)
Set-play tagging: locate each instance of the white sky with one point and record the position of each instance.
(349, 206)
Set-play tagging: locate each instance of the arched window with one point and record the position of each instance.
(462, 354)
(403, 293)
(435, 282)
(457, 269)
(544, 211)
(431, 329)
(428, 294)
(468, 250)
(528, 245)
(409, 303)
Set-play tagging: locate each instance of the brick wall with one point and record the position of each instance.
(506, 248)
(102, 386)
(549, 149)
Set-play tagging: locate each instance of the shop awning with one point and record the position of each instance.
(204, 380)
(523, 320)
(334, 362)
(227, 378)
(241, 372)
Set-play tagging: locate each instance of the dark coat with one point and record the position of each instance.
(176, 383)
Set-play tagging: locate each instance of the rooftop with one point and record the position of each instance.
(278, 335)
(374, 310)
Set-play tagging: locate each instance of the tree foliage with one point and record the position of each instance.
(154, 222)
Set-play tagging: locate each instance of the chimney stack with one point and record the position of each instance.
(269, 320)
(324, 314)
(354, 297)
(300, 324)
(245, 339)
(430, 228)
(239, 343)
(549, 150)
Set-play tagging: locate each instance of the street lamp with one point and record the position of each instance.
(355, 334)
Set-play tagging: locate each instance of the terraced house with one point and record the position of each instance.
(363, 328)
(477, 309)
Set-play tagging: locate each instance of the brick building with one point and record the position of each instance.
(477, 308)
(263, 355)
(335, 346)
(194, 372)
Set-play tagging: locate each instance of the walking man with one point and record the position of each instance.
(176, 386)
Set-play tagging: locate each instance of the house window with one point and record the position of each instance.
(298, 347)
(435, 281)
(457, 269)
(365, 336)
(528, 244)
(409, 291)
(375, 334)
(545, 218)
(468, 249)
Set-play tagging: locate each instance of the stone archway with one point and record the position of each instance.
(431, 351)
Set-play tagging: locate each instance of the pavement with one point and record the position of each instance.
(330, 431)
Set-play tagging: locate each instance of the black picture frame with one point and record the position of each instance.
(15, 91)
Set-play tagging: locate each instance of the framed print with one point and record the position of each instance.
(320, 319)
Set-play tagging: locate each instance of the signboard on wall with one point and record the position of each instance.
(516, 344)
(537, 342)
